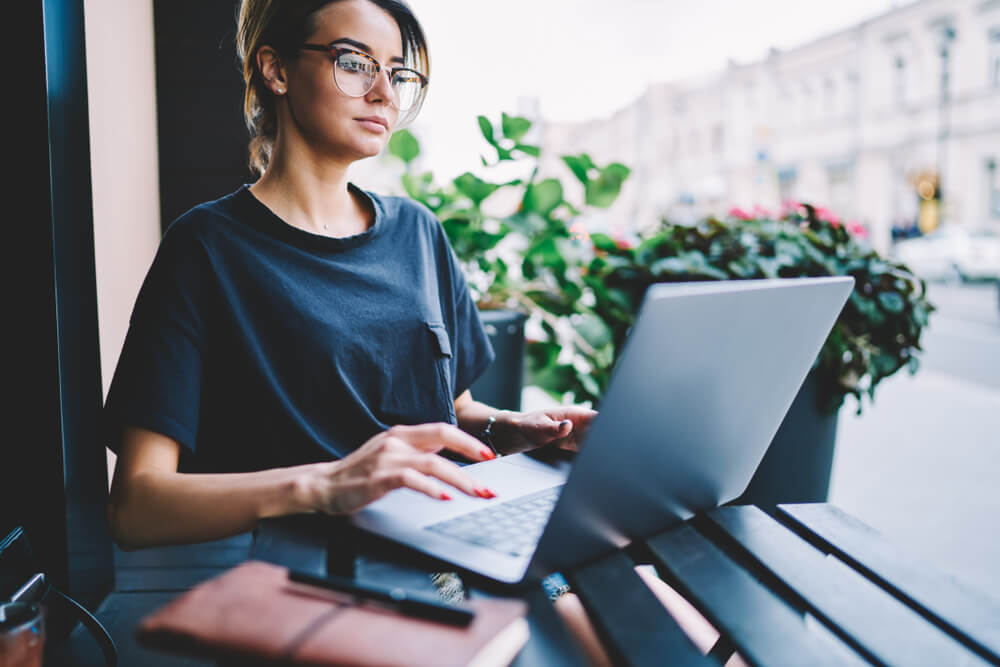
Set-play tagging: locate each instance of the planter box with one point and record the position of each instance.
(500, 386)
(797, 465)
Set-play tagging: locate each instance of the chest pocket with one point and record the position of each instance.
(442, 354)
(416, 374)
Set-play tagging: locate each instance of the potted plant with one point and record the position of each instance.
(511, 237)
(876, 335)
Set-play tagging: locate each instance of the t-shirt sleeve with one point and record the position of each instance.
(474, 353)
(156, 384)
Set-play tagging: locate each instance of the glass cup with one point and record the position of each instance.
(22, 634)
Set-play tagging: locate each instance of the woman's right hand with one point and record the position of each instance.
(402, 456)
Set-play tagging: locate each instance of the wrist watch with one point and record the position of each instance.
(487, 435)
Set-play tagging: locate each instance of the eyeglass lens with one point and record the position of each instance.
(355, 76)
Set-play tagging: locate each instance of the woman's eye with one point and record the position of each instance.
(353, 65)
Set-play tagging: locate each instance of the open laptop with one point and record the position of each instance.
(706, 375)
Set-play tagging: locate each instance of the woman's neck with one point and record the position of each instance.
(310, 196)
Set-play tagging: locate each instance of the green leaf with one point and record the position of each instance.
(589, 384)
(514, 127)
(580, 165)
(486, 127)
(533, 151)
(603, 190)
(603, 242)
(892, 302)
(412, 186)
(404, 145)
(542, 197)
(593, 330)
(673, 266)
(690, 264)
(474, 187)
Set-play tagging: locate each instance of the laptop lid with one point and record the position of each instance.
(705, 378)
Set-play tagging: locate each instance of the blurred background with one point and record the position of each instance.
(887, 113)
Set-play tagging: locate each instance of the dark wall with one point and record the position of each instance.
(53, 475)
(199, 103)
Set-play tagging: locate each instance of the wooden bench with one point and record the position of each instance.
(812, 586)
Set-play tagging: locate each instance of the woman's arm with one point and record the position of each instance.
(151, 503)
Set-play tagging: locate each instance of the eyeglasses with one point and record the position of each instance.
(355, 72)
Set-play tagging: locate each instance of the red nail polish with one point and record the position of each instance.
(444, 496)
(483, 492)
(487, 454)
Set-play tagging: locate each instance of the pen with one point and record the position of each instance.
(409, 603)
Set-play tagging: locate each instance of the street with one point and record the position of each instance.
(921, 464)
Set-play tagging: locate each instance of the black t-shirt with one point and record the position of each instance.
(256, 344)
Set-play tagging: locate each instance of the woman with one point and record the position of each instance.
(303, 345)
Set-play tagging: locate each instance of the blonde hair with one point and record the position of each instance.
(284, 25)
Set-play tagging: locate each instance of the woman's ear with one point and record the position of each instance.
(271, 70)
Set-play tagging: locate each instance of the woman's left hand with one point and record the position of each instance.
(562, 427)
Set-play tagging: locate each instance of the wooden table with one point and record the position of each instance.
(810, 585)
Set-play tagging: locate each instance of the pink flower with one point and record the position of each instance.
(826, 215)
(855, 228)
(622, 243)
(792, 207)
(736, 212)
(761, 212)
(578, 232)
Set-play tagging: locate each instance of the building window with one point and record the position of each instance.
(830, 96)
(995, 57)
(718, 139)
(786, 183)
(840, 180)
(899, 81)
(993, 188)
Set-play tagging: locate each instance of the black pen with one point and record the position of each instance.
(409, 603)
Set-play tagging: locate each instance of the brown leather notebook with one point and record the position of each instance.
(255, 614)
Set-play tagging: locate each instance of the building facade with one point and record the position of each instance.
(894, 122)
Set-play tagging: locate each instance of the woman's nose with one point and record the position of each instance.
(382, 89)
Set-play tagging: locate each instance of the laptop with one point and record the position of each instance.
(705, 377)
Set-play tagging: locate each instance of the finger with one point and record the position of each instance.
(410, 479)
(434, 437)
(545, 430)
(446, 471)
(577, 415)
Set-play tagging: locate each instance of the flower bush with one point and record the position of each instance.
(582, 291)
(877, 333)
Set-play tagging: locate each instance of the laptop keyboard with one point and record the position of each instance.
(512, 527)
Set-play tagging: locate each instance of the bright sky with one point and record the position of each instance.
(587, 58)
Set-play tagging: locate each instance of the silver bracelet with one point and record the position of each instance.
(487, 435)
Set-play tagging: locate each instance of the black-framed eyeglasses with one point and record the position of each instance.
(355, 72)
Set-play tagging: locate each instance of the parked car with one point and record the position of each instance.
(952, 252)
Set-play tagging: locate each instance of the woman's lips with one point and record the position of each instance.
(372, 125)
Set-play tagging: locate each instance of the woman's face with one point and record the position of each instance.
(330, 121)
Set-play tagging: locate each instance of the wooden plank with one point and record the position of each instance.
(634, 626)
(150, 579)
(763, 627)
(972, 617)
(551, 642)
(867, 617)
